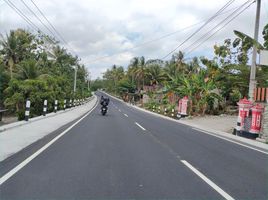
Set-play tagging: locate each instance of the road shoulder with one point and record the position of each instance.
(15, 139)
(220, 134)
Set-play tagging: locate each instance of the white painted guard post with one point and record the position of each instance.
(68, 105)
(56, 106)
(71, 103)
(64, 104)
(165, 111)
(172, 112)
(27, 110)
(45, 108)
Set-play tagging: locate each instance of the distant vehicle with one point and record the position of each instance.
(104, 105)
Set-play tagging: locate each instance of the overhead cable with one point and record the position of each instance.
(200, 28)
(224, 25)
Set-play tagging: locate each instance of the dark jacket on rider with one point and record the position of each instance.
(104, 101)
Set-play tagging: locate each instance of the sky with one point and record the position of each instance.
(107, 32)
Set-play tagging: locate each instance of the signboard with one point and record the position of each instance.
(264, 57)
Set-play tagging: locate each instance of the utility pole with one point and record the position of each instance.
(75, 74)
(252, 81)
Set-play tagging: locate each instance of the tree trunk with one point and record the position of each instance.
(10, 64)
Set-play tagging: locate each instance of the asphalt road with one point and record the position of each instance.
(129, 154)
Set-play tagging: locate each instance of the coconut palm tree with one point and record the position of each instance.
(28, 69)
(155, 74)
(17, 46)
(140, 71)
(179, 61)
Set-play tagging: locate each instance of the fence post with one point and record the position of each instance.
(172, 112)
(56, 106)
(165, 111)
(64, 105)
(45, 108)
(159, 109)
(27, 110)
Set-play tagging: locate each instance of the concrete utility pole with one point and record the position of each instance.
(252, 81)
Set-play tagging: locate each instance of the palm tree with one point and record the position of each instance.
(155, 74)
(28, 69)
(193, 66)
(170, 70)
(62, 61)
(140, 71)
(132, 68)
(17, 46)
(179, 61)
(9, 51)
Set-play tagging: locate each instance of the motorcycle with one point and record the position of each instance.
(104, 110)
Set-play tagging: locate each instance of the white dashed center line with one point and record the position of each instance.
(140, 126)
(126, 115)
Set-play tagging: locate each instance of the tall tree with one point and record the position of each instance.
(16, 46)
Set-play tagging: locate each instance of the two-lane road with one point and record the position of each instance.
(129, 154)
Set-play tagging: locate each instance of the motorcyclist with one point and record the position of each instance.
(104, 101)
(101, 100)
(104, 104)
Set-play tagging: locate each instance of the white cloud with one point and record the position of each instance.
(97, 28)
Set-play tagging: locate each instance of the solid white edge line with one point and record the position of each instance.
(216, 135)
(30, 158)
(229, 140)
(140, 126)
(208, 181)
(126, 115)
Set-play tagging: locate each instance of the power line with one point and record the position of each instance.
(217, 25)
(157, 39)
(25, 18)
(146, 43)
(34, 26)
(37, 17)
(13, 7)
(51, 25)
(195, 32)
(220, 28)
